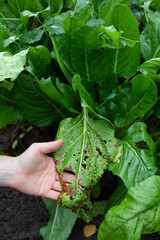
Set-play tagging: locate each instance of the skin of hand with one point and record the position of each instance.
(35, 173)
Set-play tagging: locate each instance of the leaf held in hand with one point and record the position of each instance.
(89, 144)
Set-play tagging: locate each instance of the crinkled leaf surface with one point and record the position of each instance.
(89, 146)
(150, 39)
(9, 111)
(39, 59)
(37, 108)
(56, 96)
(139, 213)
(150, 67)
(137, 102)
(137, 161)
(32, 36)
(55, 5)
(113, 39)
(124, 62)
(60, 224)
(11, 65)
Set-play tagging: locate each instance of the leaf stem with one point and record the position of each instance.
(64, 70)
(10, 19)
(103, 102)
(83, 143)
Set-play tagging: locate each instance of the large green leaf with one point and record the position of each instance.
(137, 102)
(60, 224)
(103, 8)
(89, 146)
(58, 98)
(137, 161)
(66, 24)
(150, 39)
(139, 213)
(86, 56)
(37, 108)
(11, 65)
(9, 111)
(124, 62)
(10, 10)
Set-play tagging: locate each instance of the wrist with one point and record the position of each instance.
(7, 170)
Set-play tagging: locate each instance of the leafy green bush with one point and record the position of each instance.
(94, 66)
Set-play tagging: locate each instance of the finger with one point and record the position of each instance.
(68, 177)
(68, 169)
(47, 147)
(57, 186)
(52, 195)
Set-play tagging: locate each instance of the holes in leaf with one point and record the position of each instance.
(158, 72)
(142, 145)
(8, 79)
(85, 158)
(84, 165)
(85, 151)
(99, 151)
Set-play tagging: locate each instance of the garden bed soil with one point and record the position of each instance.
(21, 215)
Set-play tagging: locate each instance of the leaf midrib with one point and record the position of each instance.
(50, 102)
(83, 143)
(140, 213)
(141, 160)
(56, 214)
(146, 93)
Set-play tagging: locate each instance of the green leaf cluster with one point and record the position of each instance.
(93, 68)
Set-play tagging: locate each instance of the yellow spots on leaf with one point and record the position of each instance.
(118, 155)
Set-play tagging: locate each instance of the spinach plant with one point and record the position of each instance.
(89, 66)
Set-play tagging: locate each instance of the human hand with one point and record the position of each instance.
(36, 173)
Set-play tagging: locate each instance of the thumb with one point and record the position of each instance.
(47, 147)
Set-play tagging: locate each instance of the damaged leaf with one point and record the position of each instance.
(11, 65)
(89, 146)
(137, 161)
(139, 213)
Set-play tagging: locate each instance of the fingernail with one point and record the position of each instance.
(79, 182)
